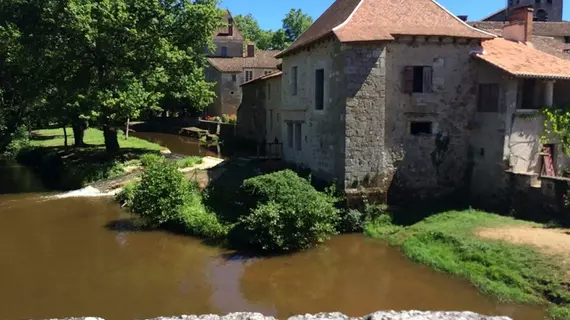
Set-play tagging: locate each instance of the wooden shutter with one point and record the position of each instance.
(408, 80)
(427, 79)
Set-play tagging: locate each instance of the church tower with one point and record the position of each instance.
(544, 10)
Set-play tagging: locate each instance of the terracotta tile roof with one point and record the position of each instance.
(264, 59)
(540, 28)
(552, 46)
(522, 60)
(372, 20)
(265, 77)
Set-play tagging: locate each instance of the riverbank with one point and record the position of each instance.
(380, 315)
(462, 243)
(67, 167)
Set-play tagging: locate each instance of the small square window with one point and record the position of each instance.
(418, 128)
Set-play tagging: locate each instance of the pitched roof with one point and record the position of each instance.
(373, 20)
(523, 61)
(265, 77)
(264, 59)
(552, 46)
(540, 28)
(496, 13)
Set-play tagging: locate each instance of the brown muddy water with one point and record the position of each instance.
(79, 257)
(179, 144)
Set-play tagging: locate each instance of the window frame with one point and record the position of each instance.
(319, 89)
(411, 79)
(488, 92)
(250, 72)
(294, 80)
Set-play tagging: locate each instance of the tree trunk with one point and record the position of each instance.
(78, 133)
(111, 141)
(127, 130)
(65, 136)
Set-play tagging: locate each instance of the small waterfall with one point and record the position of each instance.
(87, 192)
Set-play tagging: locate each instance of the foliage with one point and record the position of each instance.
(127, 194)
(19, 140)
(557, 123)
(446, 242)
(229, 118)
(103, 61)
(150, 159)
(286, 213)
(294, 24)
(165, 197)
(188, 162)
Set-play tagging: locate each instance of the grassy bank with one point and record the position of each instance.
(69, 168)
(447, 242)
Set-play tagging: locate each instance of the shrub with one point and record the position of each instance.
(20, 140)
(151, 158)
(189, 162)
(352, 221)
(286, 213)
(162, 192)
(164, 196)
(127, 194)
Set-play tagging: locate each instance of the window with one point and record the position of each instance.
(319, 89)
(566, 39)
(488, 98)
(417, 79)
(290, 134)
(298, 139)
(541, 15)
(269, 91)
(248, 75)
(234, 77)
(421, 128)
(294, 81)
(271, 120)
(224, 51)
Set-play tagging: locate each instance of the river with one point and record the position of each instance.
(81, 257)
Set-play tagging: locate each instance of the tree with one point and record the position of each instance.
(295, 23)
(280, 40)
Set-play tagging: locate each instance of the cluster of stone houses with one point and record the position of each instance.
(233, 62)
(405, 98)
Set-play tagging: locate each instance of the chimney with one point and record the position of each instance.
(230, 27)
(251, 50)
(463, 18)
(520, 23)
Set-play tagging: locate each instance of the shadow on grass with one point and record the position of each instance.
(37, 137)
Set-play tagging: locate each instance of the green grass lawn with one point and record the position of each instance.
(93, 138)
(71, 168)
(509, 272)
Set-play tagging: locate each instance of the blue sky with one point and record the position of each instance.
(269, 13)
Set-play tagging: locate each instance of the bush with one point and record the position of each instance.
(286, 213)
(151, 158)
(352, 221)
(164, 196)
(161, 194)
(20, 140)
(189, 162)
(126, 196)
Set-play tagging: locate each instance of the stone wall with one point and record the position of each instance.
(383, 315)
(438, 164)
(272, 90)
(251, 115)
(230, 92)
(235, 47)
(322, 131)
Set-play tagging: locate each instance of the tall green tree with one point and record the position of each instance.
(295, 23)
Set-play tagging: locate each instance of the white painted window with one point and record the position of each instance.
(294, 81)
(248, 75)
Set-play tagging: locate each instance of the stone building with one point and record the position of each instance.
(231, 66)
(259, 118)
(544, 10)
(408, 99)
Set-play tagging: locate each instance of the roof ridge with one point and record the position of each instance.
(349, 16)
(461, 21)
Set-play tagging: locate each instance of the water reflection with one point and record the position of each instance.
(180, 144)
